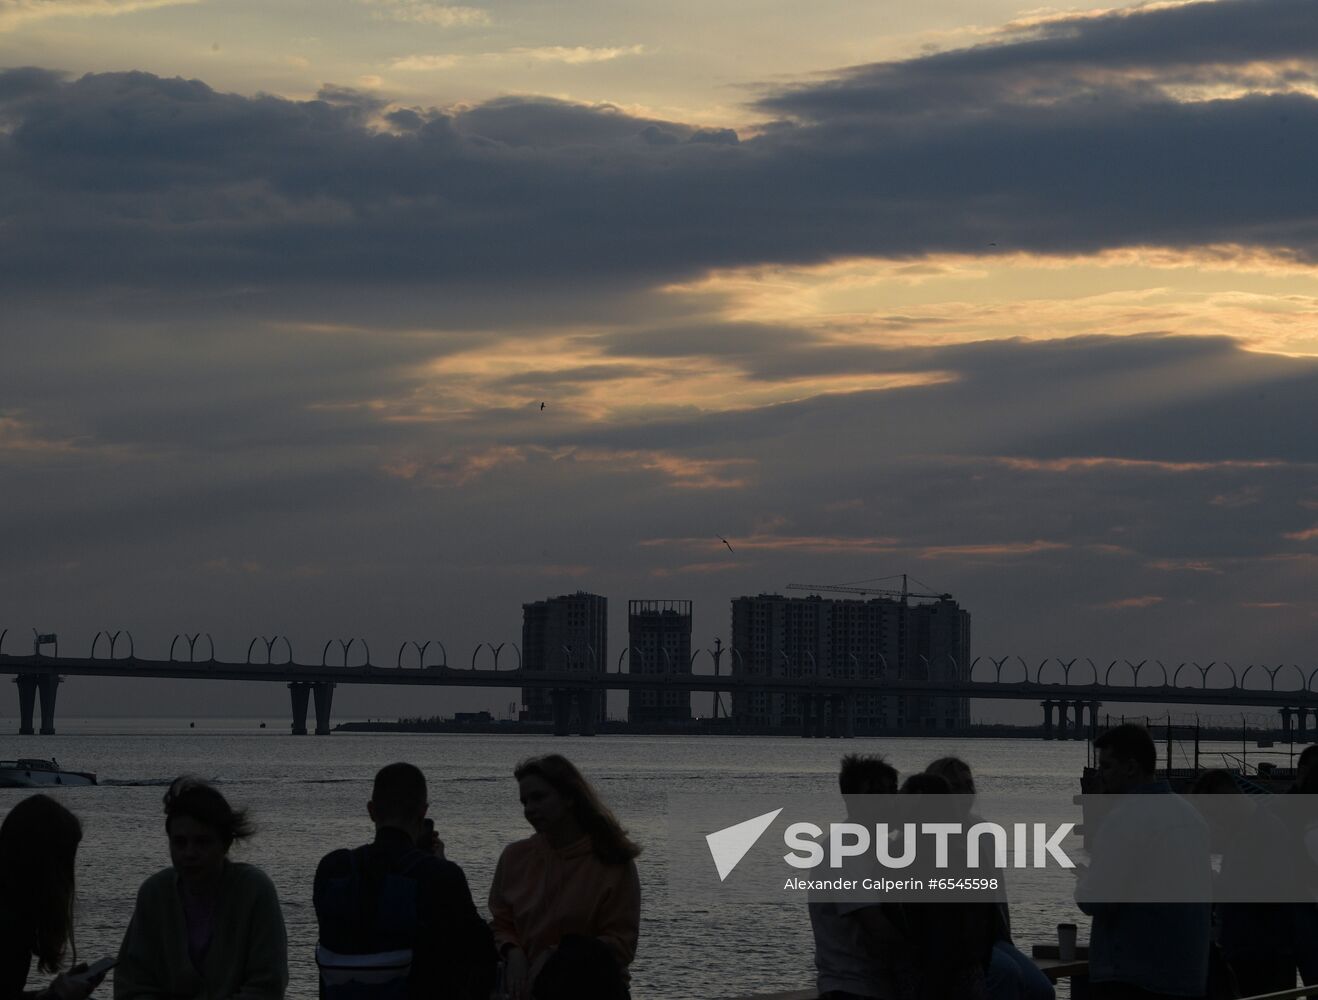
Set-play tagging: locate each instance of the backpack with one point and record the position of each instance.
(377, 912)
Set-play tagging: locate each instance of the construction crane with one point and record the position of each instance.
(859, 588)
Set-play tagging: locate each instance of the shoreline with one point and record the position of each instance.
(511, 728)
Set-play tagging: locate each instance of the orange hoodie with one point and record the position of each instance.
(539, 894)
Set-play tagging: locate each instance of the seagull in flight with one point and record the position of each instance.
(726, 542)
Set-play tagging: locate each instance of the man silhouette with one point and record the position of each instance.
(396, 918)
(851, 962)
(1145, 950)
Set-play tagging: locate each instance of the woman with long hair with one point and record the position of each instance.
(207, 926)
(38, 844)
(566, 902)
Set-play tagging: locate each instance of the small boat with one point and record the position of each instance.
(33, 772)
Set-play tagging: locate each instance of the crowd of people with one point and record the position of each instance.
(397, 920)
(871, 949)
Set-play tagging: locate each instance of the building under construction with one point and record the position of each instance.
(896, 634)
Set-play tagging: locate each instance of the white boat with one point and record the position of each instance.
(33, 772)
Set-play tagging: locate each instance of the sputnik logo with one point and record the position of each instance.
(728, 846)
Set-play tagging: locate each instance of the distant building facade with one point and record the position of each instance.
(659, 642)
(775, 636)
(564, 633)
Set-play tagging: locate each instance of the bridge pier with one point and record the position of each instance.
(47, 687)
(1285, 723)
(806, 704)
(1302, 715)
(1094, 706)
(29, 687)
(300, 693)
(821, 716)
(322, 693)
(1047, 707)
(1078, 733)
(27, 700)
(849, 716)
(562, 701)
(586, 707)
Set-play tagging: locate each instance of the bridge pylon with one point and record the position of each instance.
(300, 692)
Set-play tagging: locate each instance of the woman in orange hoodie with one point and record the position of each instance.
(566, 902)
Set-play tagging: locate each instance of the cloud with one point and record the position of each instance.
(694, 569)
(764, 542)
(465, 466)
(424, 12)
(1131, 55)
(1142, 465)
(16, 13)
(991, 550)
(1125, 603)
(569, 55)
(1184, 566)
(125, 180)
(681, 471)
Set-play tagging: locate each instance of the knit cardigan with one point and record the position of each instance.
(248, 954)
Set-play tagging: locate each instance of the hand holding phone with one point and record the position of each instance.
(95, 972)
(429, 840)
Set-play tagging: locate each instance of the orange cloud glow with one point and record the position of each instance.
(992, 550)
(1104, 462)
(1146, 601)
(819, 544)
(1266, 300)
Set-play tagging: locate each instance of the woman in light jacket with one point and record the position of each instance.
(566, 902)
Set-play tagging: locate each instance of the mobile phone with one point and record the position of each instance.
(427, 838)
(97, 970)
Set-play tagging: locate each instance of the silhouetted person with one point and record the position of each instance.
(1138, 950)
(1256, 939)
(398, 904)
(566, 902)
(38, 844)
(1306, 762)
(1012, 975)
(847, 966)
(1306, 914)
(207, 926)
(951, 942)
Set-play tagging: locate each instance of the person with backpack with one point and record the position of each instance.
(396, 918)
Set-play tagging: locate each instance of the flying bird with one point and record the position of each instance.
(726, 542)
(542, 406)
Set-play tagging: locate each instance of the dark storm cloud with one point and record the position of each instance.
(1039, 144)
(1120, 55)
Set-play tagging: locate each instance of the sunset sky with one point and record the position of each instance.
(1022, 302)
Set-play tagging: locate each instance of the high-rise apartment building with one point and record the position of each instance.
(564, 633)
(659, 642)
(882, 637)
